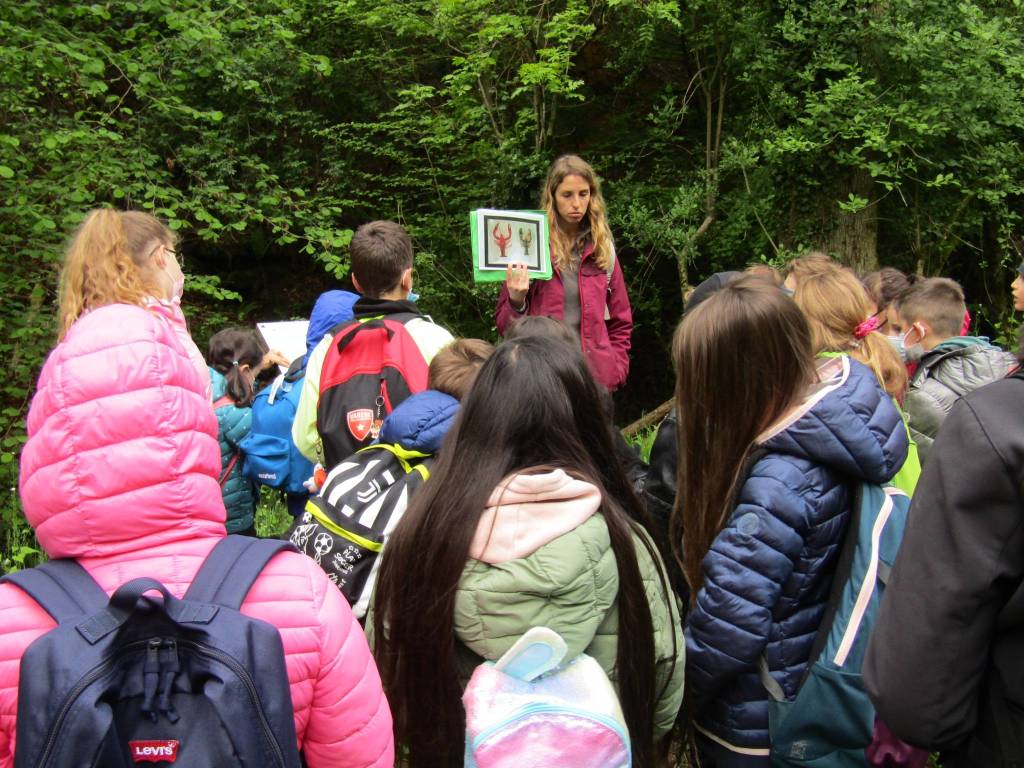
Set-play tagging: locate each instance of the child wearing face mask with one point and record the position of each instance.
(930, 316)
(236, 358)
(126, 257)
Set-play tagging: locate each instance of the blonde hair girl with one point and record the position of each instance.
(839, 312)
(125, 257)
(587, 291)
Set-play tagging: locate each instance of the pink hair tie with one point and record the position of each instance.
(866, 327)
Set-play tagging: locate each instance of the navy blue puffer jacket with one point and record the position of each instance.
(768, 573)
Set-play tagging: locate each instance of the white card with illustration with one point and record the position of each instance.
(500, 238)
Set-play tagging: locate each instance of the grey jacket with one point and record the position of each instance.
(944, 375)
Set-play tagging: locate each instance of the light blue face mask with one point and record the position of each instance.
(412, 296)
(897, 344)
(909, 354)
(788, 291)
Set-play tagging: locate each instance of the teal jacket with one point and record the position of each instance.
(240, 494)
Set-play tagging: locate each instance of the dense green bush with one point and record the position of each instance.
(726, 132)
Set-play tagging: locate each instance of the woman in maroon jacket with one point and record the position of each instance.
(587, 290)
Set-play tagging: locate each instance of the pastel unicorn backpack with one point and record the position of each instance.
(531, 710)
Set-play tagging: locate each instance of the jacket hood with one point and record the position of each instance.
(976, 360)
(848, 423)
(963, 342)
(218, 382)
(122, 449)
(525, 512)
(331, 308)
(421, 421)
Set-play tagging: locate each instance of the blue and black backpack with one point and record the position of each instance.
(134, 679)
(271, 458)
(830, 722)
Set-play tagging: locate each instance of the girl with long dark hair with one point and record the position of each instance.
(771, 443)
(587, 290)
(524, 522)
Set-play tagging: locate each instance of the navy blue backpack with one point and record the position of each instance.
(138, 679)
(270, 456)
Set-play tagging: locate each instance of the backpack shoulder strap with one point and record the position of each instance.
(405, 317)
(232, 567)
(228, 469)
(334, 331)
(63, 588)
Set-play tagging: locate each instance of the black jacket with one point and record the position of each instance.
(945, 666)
(659, 496)
(660, 488)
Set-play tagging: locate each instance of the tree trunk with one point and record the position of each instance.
(854, 238)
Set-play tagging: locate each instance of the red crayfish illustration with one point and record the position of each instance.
(501, 240)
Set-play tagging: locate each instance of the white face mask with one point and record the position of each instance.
(177, 288)
(177, 280)
(173, 271)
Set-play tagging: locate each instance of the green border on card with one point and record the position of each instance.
(494, 275)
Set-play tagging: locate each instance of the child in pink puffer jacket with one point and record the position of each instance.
(126, 257)
(120, 472)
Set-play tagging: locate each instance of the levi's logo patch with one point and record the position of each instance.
(162, 751)
(359, 423)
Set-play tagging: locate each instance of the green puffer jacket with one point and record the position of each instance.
(568, 585)
(240, 494)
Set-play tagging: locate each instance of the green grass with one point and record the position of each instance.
(272, 518)
(18, 546)
(643, 441)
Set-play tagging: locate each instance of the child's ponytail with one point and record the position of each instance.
(232, 351)
(103, 263)
(881, 357)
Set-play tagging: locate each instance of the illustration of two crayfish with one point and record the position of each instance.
(502, 239)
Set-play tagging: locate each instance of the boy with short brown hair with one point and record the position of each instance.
(930, 315)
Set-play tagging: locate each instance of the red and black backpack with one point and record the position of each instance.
(372, 365)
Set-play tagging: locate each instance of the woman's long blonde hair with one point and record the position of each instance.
(561, 244)
(105, 262)
(836, 304)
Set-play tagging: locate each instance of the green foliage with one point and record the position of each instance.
(272, 518)
(643, 441)
(726, 133)
(18, 546)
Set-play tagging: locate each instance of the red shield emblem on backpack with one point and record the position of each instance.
(359, 422)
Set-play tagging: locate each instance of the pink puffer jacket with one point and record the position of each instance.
(120, 471)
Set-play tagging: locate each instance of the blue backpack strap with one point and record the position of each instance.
(232, 567)
(63, 589)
